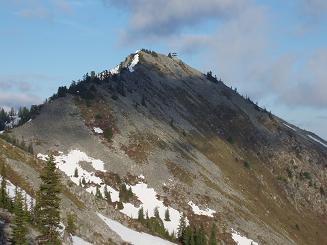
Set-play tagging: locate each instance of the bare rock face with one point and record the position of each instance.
(191, 138)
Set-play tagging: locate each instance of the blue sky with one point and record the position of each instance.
(272, 50)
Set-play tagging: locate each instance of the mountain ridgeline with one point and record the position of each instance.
(154, 127)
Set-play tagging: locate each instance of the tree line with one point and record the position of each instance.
(42, 214)
(11, 118)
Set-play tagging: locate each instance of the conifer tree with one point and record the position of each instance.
(19, 227)
(98, 193)
(107, 194)
(167, 215)
(187, 236)
(156, 213)
(212, 239)
(83, 181)
(182, 226)
(48, 203)
(141, 214)
(71, 224)
(76, 173)
(4, 199)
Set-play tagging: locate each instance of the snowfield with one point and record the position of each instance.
(131, 236)
(148, 196)
(98, 130)
(68, 163)
(196, 210)
(11, 190)
(317, 140)
(134, 62)
(115, 70)
(79, 241)
(242, 240)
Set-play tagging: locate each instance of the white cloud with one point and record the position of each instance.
(166, 17)
(8, 100)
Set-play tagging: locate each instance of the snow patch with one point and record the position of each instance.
(317, 140)
(70, 162)
(79, 241)
(115, 70)
(134, 62)
(1, 132)
(196, 210)
(141, 176)
(148, 197)
(98, 130)
(289, 126)
(11, 190)
(242, 240)
(131, 236)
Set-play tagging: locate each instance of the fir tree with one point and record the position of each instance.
(83, 181)
(48, 203)
(167, 215)
(143, 101)
(107, 194)
(120, 205)
(141, 214)
(4, 199)
(71, 224)
(156, 213)
(187, 236)
(76, 173)
(98, 193)
(212, 239)
(19, 224)
(182, 226)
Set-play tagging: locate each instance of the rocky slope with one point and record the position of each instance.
(181, 140)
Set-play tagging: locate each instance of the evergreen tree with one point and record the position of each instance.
(167, 215)
(120, 205)
(141, 214)
(98, 193)
(143, 101)
(200, 237)
(4, 199)
(187, 236)
(107, 194)
(71, 224)
(182, 226)
(156, 213)
(76, 173)
(19, 224)
(212, 239)
(48, 203)
(83, 181)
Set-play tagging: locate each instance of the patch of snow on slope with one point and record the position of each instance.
(1, 132)
(68, 163)
(131, 236)
(79, 241)
(317, 140)
(115, 70)
(289, 126)
(98, 130)
(134, 62)
(148, 197)
(11, 190)
(242, 240)
(196, 210)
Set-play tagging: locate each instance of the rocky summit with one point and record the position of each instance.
(156, 152)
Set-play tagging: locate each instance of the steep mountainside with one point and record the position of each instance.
(181, 140)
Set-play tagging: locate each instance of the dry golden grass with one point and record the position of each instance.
(281, 215)
(180, 173)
